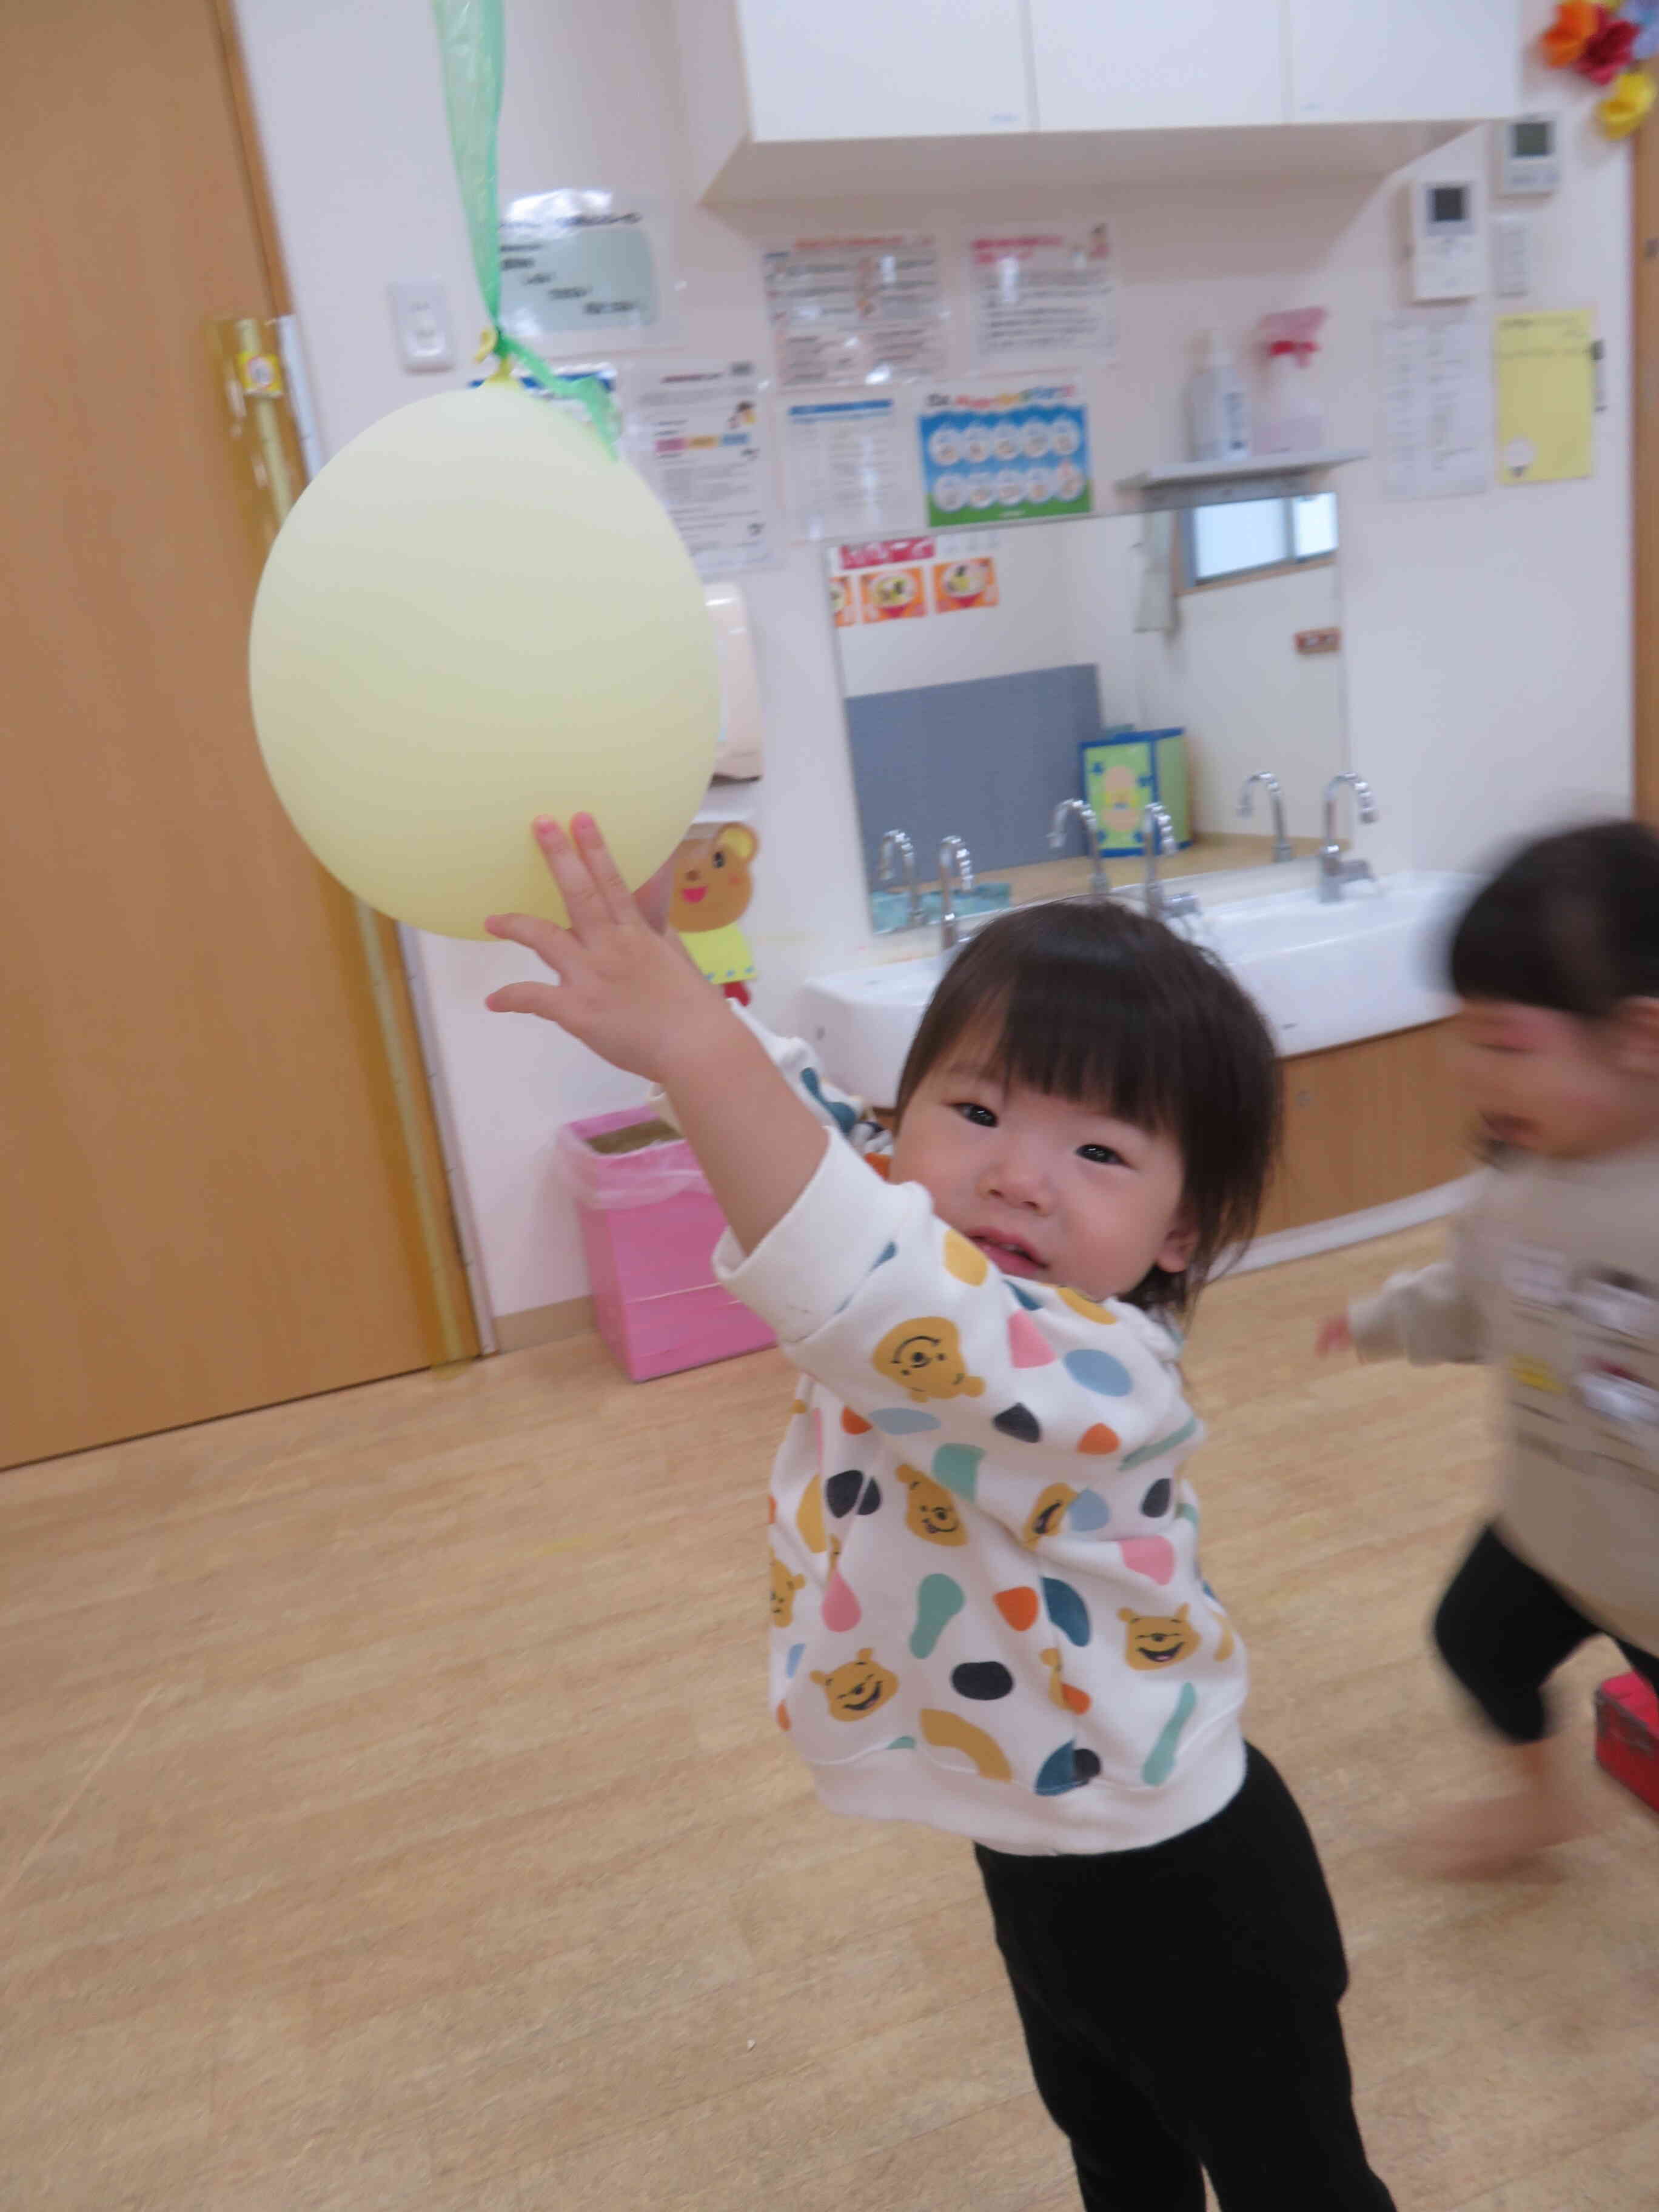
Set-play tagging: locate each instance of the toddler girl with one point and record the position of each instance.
(1553, 1279)
(986, 1609)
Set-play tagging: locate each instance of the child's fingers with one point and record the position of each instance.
(556, 946)
(590, 843)
(589, 907)
(544, 999)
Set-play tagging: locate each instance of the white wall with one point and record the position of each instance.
(1487, 650)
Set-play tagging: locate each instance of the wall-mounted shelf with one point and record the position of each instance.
(1219, 483)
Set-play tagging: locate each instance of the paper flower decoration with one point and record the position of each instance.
(1609, 50)
(1602, 44)
(1626, 105)
(1575, 24)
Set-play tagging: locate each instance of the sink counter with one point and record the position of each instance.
(1324, 975)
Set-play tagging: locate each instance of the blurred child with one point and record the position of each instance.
(1553, 1279)
(987, 1612)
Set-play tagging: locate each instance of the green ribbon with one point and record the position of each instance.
(473, 48)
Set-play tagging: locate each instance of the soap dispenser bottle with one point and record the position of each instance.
(1217, 412)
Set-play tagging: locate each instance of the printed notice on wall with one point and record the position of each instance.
(697, 435)
(848, 467)
(1436, 378)
(855, 310)
(1546, 369)
(999, 453)
(581, 261)
(1042, 292)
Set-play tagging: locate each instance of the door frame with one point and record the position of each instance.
(374, 957)
(1644, 450)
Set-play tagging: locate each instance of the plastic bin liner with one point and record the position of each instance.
(664, 1168)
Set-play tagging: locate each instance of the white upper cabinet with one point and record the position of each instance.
(1403, 61)
(1168, 65)
(776, 90)
(867, 68)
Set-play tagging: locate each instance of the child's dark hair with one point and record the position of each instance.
(1088, 999)
(1570, 923)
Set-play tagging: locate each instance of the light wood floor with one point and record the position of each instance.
(391, 1820)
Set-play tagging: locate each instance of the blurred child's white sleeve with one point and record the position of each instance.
(1431, 1316)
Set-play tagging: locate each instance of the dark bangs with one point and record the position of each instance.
(1092, 1001)
(1571, 924)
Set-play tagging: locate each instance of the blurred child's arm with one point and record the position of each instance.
(1428, 1316)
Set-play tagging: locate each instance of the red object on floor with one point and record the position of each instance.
(1628, 1736)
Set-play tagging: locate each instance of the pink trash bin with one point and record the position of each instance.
(650, 1224)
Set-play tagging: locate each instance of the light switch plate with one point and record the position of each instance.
(420, 315)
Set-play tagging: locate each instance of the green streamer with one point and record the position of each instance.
(472, 47)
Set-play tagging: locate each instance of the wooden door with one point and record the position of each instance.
(1644, 411)
(207, 1200)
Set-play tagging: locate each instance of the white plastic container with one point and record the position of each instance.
(1217, 411)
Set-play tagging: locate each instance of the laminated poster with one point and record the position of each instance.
(855, 310)
(849, 469)
(1042, 292)
(699, 435)
(1005, 454)
(891, 595)
(1546, 397)
(582, 262)
(961, 586)
(1437, 406)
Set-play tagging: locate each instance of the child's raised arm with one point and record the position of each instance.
(630, 995)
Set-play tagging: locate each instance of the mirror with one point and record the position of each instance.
(989, 677)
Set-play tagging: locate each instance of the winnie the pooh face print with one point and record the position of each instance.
(858, 1688)
(784, 1586)
(931, 1511)
(1159, 1640)
(713, 879)
(1047, 1513)
(925, 1357)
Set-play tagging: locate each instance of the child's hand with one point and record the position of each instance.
(625, 990)
(1334, 1335)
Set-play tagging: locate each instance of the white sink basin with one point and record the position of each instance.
(1323, 976)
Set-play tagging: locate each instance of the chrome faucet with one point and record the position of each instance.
(956, 872)
(895, 847)
(1158, 834)
(1079, 809)
(1282, 848)
(1334, 870)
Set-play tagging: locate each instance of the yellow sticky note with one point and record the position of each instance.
(1546, 397)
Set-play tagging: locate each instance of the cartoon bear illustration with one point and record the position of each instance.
(1159, 1640)
(931, 1511)
(858, 1687)
(713, 887)
(784, 1586)
(925, 1357)
(1047, 1513)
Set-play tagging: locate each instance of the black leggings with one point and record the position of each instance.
(1179, 2009)
(1504, 1629)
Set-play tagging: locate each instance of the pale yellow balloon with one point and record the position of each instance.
(474, 616)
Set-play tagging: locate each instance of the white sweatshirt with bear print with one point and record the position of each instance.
(987, 1613)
